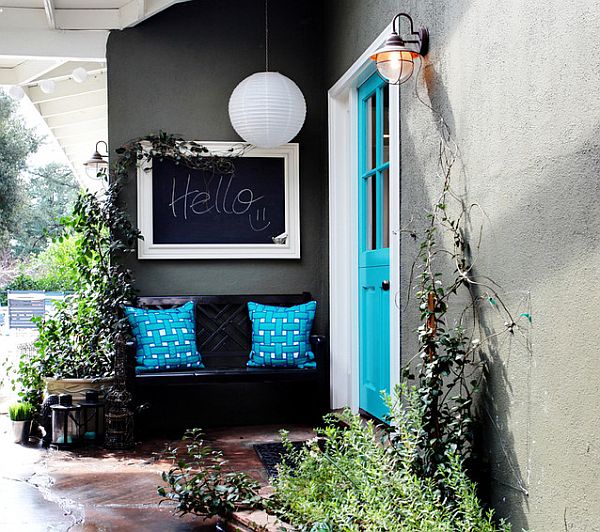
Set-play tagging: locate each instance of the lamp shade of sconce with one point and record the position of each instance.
(16, 92)
(79, 74)
(267, 109)
(47, 86)
(395, 59)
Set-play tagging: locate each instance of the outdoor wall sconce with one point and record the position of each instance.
(98, 163)
(395, 60)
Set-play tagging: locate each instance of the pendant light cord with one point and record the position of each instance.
(266, 35)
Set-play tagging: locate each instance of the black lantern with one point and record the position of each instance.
(97, 166)
(92, 417)
(65, 422)
(46, 415)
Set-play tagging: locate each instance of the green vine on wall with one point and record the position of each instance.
(451, 364)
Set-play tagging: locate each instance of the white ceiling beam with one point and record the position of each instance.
(8, 76)
(68, 89)
(137, 11)
(73, 130)
(84, 151)
(31, 70)
(28, 71)
(87, 19)
(49, 8)
(84, 116)
(72, 105)
(84, 143)
(52, 18)
(66, 70)
(74, 45)
(23, 18)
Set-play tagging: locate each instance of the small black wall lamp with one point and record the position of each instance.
(395, 60)
(98, 163)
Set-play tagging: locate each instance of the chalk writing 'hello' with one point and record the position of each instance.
(224, 201)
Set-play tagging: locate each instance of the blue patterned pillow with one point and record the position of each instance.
(166, 339)
(281, 336)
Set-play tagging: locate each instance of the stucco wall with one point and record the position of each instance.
(175, 72)
(518, 84)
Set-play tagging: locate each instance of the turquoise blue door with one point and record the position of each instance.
(373, 253)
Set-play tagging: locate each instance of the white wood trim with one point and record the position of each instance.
(394, 238)
(354, 76)
(343, 230)
(290, 250)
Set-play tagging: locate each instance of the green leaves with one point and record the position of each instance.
(198, 484)
(22, 411)
(355, 476)
(78, 339)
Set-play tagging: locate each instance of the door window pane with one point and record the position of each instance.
(386, 123)
(371, 213)
(371, 133)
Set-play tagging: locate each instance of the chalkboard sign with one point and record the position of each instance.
(252, 212)
(199, 207)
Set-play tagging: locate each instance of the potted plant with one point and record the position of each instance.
(21, 415)
(75, 348)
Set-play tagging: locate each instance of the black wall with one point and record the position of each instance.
(175, 72)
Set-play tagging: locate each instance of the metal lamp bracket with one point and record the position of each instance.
(422, 34)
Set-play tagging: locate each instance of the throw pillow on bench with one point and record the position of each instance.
(166, 339)
(281, 336)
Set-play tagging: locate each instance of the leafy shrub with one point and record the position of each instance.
(24, 281)
(26, 377)
(58, 263)
(77, 340)
(358, 477)
(200, 486)
(21, 411)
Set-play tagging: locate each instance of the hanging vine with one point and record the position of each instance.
(451, 363)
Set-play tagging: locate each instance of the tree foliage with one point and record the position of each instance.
(17, 142)
(51, 193)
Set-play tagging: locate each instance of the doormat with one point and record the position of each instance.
(272, 454)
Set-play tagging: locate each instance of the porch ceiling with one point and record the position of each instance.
(47, 40)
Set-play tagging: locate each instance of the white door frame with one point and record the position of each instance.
(343, 230)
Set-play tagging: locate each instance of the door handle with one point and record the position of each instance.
(385, 285)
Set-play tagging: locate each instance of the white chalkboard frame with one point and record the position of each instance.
(147, 249)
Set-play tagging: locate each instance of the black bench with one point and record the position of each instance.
(226, 391)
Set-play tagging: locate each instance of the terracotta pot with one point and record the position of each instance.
(77, 387)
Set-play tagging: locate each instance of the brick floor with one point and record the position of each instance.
(97, 490)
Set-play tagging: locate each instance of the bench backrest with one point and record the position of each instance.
(223, 328)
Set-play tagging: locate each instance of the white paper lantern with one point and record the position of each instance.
(16, 92)
(47, 86)
(267, 109)
(79, 74)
